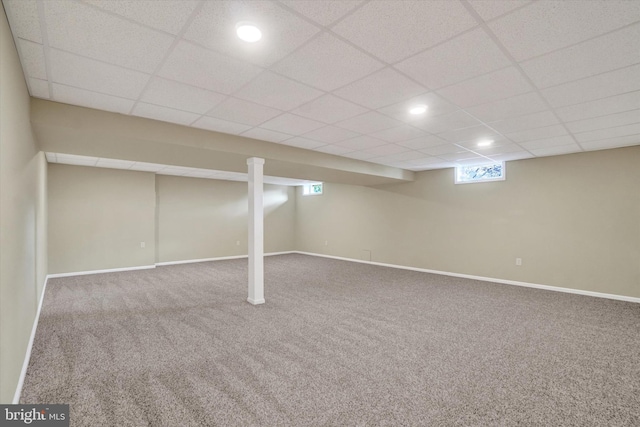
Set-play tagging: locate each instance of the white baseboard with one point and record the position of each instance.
(27, 356)
(190, 261)
(109, 270)
(486, 279)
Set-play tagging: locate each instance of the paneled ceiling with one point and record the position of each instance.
(538, 78)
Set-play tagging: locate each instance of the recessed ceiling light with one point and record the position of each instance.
(248, 32)
(485, 142)
(418, 109)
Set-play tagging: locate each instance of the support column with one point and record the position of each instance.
(256, 231)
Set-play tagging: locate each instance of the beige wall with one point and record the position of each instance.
(574, 220)
(98, 218)
(23, 257)
(204, 218)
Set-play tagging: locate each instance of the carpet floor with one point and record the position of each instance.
(336, 344)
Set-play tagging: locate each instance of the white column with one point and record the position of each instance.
(256, 232)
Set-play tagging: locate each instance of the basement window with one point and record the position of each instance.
(480, 173)
(312, 189)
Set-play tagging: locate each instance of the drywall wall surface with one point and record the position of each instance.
(205, 218)
(23, 233)
(574, 220)
(99, 218)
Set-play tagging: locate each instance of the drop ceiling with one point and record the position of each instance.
(538, 78)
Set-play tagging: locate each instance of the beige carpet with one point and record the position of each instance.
(337, 344)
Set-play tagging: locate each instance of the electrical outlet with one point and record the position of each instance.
(518, 261)
(143, 244)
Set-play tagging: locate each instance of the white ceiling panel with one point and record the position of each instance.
(327, 63)
(423, 142)
(585, 59)
(497, 150)
(398, 134)
(266, 134)
(404, 156)
(329, 109)
(72, 159)
(165, 15)
(90, 32)
(443, 65)
(386, 150)
(588, 89)
(380, 89)
(330, 134)
(538, 133)
(489, 9)
(276, 91)
(334, 149)
(241, 111)
(517, 155)
(114, 163)
(545, 26)
(529, 121)
(180, 96)
(324, 12)
(360, 155)
(165, 114)
(39, 88)
(487, 88)
(473, 133)
(219, 125)
(292, 124)
(447, 122)
(515, 106)
(32, 59)
(301, 142)
(462, 156)
(611, 120)
(603, 144)
(607, 133)
(89, 74)
(282, 31)
(600, 107)
(547, 142)
(436, 106)
(230, 74)
(85, 98)
(558, 150)
(368, 123)
(24, 19)
(443, 149)
(361, 142)
(394, 30)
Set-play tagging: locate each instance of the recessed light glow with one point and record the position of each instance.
(248, 32)
(418, 109)
(485, 142)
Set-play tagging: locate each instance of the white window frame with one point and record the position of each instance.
(307, 189)
(500, 178)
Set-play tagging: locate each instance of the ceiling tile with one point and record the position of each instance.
(607, 133)
(395, 30)
(330, 134)
(423, 142)
(554, 151)
(474, 133)
(600, 107)
(85, 98)
(529, 121)
(282, 31)
(586, 59)
(291, 124)
(241, 111)
(359, 155)
(565, 23)
(386, 150)
(323, 12)
(301, 142)
(518, 155)
(596, 87)
(219, 125)
(489, 9)
(361, 142)
(165, 15)
(432, 166)
(487, 88)
(461, 156)
(172, 94)
(496, 150)
(327, 63)
(538, 133)
(165, 114)
(620, 141)
(398, 134)
(32, 59)
(24, 20)
(382, 88)
(329, 109)
(39, 88)
(193, 65)
(443, 149)
(468, 55)
(456, 120)
(436, 106)
(86, 31)
(368, 123)
(547, 142)
(498, 141)
(423, 161)
(148, 167)
(611, 120)
(266, 135)
(514, 106)
(333, 149)
(278, 92)
(114, 164)
(72, 159)
(405, 156)
(84, 73)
